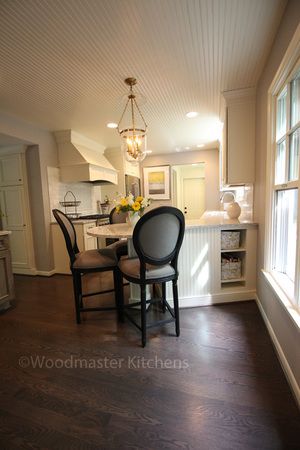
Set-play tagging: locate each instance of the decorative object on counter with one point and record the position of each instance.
(135, 207)
(70, 204)
(233, 210)
(105, 206)
(157, 182)
(133, 134)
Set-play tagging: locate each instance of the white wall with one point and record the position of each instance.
(87, 193)
(44, 143)
(285, 330)
(209, 157)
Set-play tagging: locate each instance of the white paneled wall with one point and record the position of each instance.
(87, 193)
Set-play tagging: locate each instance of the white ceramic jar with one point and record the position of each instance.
(233, 210)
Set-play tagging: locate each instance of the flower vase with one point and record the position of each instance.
(133, 217)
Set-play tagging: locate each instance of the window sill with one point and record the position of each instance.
(283, 298)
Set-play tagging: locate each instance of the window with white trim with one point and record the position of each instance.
(285, 196)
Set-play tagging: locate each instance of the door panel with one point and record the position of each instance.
(18, 247)
(10, 170)
(12, 203)
(193, 197)
(13, 199)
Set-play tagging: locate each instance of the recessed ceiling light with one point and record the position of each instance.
(192, 114)
(200, 145)
(187, 148)
(112, 125)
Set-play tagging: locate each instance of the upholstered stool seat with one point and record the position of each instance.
(91, 259)
(131, 268)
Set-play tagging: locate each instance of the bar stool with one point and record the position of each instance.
(157, 238)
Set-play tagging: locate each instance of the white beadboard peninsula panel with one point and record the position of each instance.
(199, 265)
(201, 254)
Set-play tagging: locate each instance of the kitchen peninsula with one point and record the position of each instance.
(201, 280)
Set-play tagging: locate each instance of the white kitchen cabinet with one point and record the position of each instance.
(238, 142)
(6, 276)
(11, 172)
(84, 242)
(15, 209)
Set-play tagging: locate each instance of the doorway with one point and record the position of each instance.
(188, 186)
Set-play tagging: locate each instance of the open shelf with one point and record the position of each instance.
(239, 249)
(234, 280)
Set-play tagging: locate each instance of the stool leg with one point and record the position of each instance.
(119, 294)
(176, 308)
(143, 314)
(77, 294)
(163, 289)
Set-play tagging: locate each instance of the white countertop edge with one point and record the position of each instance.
(230, 223)
(4, 233)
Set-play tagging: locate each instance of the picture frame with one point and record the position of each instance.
(157, 182)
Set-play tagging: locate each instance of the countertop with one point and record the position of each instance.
(219, 219)
(213, 219)
(4, 233)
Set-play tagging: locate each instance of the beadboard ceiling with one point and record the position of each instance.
(63, 62)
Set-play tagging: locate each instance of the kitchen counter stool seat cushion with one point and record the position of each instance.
(89, 261)
(131, 268)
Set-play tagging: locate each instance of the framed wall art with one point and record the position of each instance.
(157, 182)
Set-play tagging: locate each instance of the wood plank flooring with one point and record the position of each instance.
(91, 386)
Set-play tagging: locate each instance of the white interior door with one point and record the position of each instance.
(193, 197)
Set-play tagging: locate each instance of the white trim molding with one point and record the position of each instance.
(281, 356)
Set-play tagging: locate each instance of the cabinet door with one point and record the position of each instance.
(90, 243)
(11, 170)
(240, 143)
(12, 203)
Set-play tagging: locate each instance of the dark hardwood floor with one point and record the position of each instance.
(68, 386)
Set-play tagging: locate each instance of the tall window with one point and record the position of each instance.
(285, 229)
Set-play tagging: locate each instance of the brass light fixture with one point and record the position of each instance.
(133, 136)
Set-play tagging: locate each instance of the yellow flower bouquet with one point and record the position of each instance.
(132, 204)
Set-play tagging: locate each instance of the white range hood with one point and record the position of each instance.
(81, 159)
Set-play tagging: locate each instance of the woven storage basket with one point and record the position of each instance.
(230, 270)
(230, 240)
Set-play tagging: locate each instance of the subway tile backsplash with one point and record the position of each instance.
(86, 193)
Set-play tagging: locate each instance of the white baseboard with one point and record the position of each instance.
(281, 356)
(45, 273)
(23, 271)
(214, 299)
(33, 272)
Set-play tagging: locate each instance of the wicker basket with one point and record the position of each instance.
(230, 240)
(230, 270)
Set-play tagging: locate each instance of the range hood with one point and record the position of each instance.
(81, 159)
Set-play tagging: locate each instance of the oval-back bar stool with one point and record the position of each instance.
(157, 238)
(88, 261)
